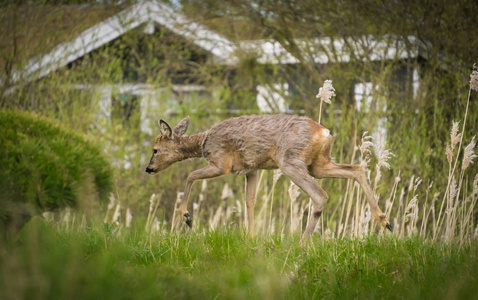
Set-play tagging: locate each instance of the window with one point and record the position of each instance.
(363, 94)
(271, 98)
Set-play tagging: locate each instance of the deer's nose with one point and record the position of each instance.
(148, 170)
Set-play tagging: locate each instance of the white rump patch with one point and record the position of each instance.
(326, 132)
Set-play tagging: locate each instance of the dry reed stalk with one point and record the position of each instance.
(275, 178)
(357, 214)
(178, 201)
(391, 199)
(400, 213)
(309, 207)
(261, 224)
(432, 211)
(349, 208)
(293, 194)
(468, 157)
(349, 187)
(111, 204)
(83, 221)
(117, 214)
(411, 212)
(425, 211)
(216, 218)
(466, 225)
(229, 213)
(367, 216)
(239, 210)
(150, 211)
(473, 86)
(196, 209)
(129, 218)
(153, 215)
(284, 210)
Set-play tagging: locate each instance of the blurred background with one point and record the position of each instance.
(108, 71)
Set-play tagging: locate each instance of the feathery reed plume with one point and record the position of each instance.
(453, 188)
(155, 225)
(365, 149)
(454, 135)
(383, 155)
(326, 92)
(449, 154)
(227, 192)
(473, 86)
(293, 191)
(411, 212)
(474, 79)
(469, 155)
(418, 181)
(277, 175)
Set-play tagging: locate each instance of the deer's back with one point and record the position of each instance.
(261, 142)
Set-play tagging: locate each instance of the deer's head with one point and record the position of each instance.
(166, 148)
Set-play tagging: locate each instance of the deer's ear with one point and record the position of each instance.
(182, 127)
(165, 129)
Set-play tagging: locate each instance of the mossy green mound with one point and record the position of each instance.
(43, 167)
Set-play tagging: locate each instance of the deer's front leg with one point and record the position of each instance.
(208, 171)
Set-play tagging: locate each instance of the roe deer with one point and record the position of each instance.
(297, 145)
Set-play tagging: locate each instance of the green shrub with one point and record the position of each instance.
(43, 167)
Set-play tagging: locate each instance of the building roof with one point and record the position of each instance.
(113, 24)
(327, 50)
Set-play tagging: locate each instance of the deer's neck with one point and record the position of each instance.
(191, 146)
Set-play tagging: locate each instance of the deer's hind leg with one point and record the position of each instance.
(356, 172)
(297, 172)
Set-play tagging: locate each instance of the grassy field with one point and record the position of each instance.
(50, 261)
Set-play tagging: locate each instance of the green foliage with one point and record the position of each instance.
(154, 65)
(43, 167)
(91, 263)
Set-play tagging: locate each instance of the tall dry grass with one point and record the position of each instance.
(449, 214)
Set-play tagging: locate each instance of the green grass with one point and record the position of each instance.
(50, 262)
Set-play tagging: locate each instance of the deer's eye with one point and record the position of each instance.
(155, 151)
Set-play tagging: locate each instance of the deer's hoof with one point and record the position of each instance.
(189, 221)
(389, 227)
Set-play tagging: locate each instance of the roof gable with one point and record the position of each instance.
(113, 27)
